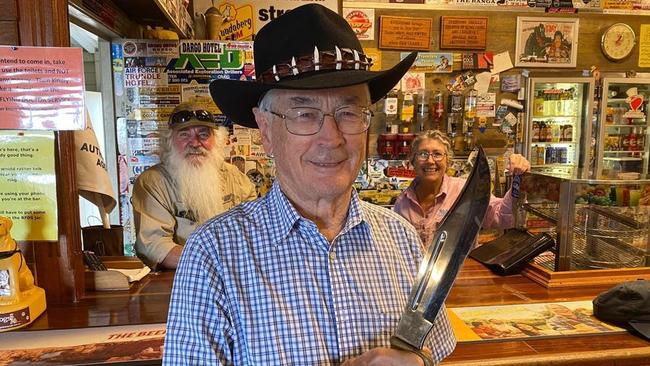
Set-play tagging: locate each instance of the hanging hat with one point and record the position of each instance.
(309, 47)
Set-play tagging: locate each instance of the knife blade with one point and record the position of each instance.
(441, 263)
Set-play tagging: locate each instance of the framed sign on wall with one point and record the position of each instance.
(546, 42)
(466, 33)
(405, 33)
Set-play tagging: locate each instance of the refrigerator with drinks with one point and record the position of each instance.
(557, 133)
(622, 137)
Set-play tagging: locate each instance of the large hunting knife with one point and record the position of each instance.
(446, 253)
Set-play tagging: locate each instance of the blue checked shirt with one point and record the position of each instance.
(260, 285)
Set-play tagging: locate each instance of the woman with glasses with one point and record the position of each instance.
(432, 193)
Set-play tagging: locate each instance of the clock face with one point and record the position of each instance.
(618, 41)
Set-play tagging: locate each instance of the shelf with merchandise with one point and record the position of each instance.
(484, 6)
(568, 116)
(622, 158)
(616, 100)
(626, 125)
(170, 14)
(554, 143)
(551, 165)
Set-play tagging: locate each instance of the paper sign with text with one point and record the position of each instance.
(245, 16)
(464, 32)
(41, 88)
(644, 45)
(28, 184)
(405, 33)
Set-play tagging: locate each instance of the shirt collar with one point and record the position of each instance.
(444, 187)
(282, 211)
(355, 215)
(286, 216)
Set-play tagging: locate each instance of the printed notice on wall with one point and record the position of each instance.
(644, 46)
(28, 184)
(41, 88)
(404, 33)
(463, 32)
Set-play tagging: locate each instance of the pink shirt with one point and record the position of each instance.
(499, 213)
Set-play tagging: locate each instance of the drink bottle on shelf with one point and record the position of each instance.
(422, 111)
(408, 110)
(390, 110)
(470, 104)
(438, 109)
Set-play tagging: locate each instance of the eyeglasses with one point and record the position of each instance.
(306, 121)
(185, 116)
(424, 156)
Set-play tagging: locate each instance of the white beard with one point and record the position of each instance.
(199, 184)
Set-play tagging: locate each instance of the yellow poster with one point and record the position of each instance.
(375, 56)
(28, 184)
(644, 46)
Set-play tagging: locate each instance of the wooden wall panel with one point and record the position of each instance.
(9, 22)
(9, 10)
(9, 32)
(58, 265)
(501, 33)
(502, 28)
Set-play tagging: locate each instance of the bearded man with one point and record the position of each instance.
(192, 184)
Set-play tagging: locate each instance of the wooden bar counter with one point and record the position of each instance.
(146, 303)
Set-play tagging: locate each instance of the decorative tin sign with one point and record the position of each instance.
(405, 33)
(467, 33)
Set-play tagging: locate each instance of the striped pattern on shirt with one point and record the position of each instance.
(260, 285)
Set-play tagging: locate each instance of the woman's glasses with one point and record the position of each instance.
(424, 156)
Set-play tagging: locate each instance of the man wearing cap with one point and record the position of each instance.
(308, 274)
(191, 184)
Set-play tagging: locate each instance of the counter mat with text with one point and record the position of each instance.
(527, 320)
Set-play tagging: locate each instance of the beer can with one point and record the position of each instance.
(540, 155)
(551, 155)
(562, 156)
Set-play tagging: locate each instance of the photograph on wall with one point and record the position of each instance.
(435, 62)
(546, 42)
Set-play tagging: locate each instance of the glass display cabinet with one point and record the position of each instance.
(597, 224)
(621, 143)
(558, 125)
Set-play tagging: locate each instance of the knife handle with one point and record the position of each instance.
(399, 344)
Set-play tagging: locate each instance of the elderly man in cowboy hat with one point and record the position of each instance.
(308, 274)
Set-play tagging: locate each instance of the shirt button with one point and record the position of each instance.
(332, 255)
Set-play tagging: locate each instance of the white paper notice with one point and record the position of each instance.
(502, 62)
(486, 105)
(482, 82)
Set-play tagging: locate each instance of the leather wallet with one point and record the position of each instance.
(509, 253)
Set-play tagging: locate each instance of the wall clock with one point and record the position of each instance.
(618, 41)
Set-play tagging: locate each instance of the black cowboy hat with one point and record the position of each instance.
(309, 47)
